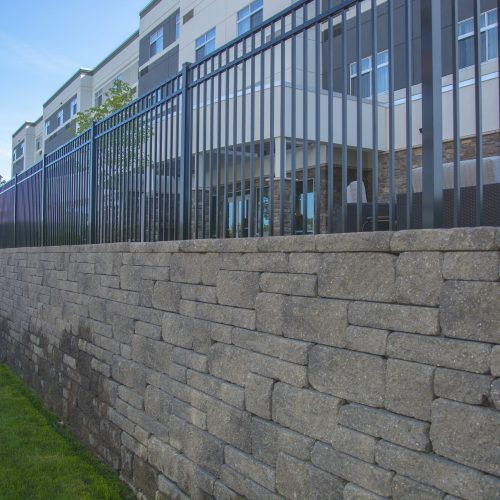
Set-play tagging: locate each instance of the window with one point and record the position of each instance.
(60, 117)
(38, 143)
(73, 107)
(47, 127)
(366, 75)
(177, 25)
(98, 98)
(21, 149)
(205, 44)
(156, 42)
(489, 39)
(250, 16)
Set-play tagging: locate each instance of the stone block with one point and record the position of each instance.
(147, 330)
(305, 411)
(185, 268)
(462, 386)
(471, 310)
(411, 319)
(177, 330)
(166, 296)
(419, 278)
(247, 466)
(168, 490)
(289, 284)
(348, 375)
(397, 429)
(430, 469)
(491, 487)
(229, 424)
(294, 351)
(354, 492)
(370, 340)
(144, 477)
(315, 320)
(356, 444)
(354, 242)
(246, 487)
(404, 488)
(269, 313)
(268, 439)
(257, 262)
(229, 393)
(222, 492)
(258, 392)
(357, 276)
(304, 263)
(296, 479)
(471, 266)
(237, 288)
(227, 315)
(123, 328)
(466, 434)
(131, 374)
(161, 455)
(152, 353)
(495, 393)
(203, 449)
(368, 476)
(449, 353)
(409, 388)
(495, 361)
(158, 404)
(200, 293)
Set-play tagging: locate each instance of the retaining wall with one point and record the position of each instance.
(344, 366)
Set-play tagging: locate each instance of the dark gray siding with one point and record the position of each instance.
(168, 37)
(53, 117)
(465, 11)
(18, 166)
(60, 137)
(156, 73)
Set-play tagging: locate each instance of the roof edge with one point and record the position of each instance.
(79, 72)
(27, 124)
(149, 7)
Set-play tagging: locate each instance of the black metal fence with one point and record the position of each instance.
(277, 133)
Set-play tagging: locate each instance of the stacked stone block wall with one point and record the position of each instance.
(359, 366)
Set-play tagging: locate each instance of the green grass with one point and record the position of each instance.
(40, 459)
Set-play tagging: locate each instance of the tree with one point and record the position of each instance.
(115, 98)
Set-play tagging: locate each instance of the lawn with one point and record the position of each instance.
(39, 458)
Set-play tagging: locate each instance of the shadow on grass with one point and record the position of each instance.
(39, 457)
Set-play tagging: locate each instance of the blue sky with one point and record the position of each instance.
(42, 43)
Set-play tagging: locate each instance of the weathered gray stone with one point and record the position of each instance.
(409, 388)
(177, 330)
(166, 296)
(495, 393)
(229, 393)
(466, 434)
(296, 480)
(229, 363)
(203, 449)
(471, 266)
(222, 492)
(371, 340)
(237, 288)
(404, 488)
(129, 373)
(247, 466)
(462, 386)
(339, 464)
(471, 310)
(161, 455)
(229, 424)
(294, 243)
(200, 293)
(357, 276)
(123, 328)
(294, 351)
(158, 404)
(354, 492)
(349, 375)
(490, 487)
(147, 330)
(354, 242)
(289, 284)
(419, 278)
(305, 411)
(495, 361)
(356, 444)
(315, 320)
(168, 490)
(268, 439)
(450, 353)
(410, 319)
(459, 239)
(258, 262)
(227, 315)
(185, 268)
(258, 392)
(306, 263)
(269, 313)
(397, 429)
(430, 470)
(152, 353)
(246, 487)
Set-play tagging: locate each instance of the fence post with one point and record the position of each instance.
(185, 163)
(15, 211)
(92, 209)
(43, 229)
(432, 133)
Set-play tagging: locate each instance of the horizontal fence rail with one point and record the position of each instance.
(331, 116)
